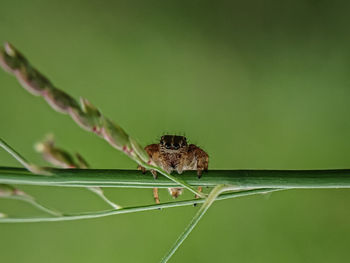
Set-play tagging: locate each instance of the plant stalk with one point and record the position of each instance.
(242, 179)
(126, 210)
(200, 213)
(33, 202)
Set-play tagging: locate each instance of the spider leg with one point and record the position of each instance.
(154, 173)
(200, 189)
(155, 195)
(175, 192)
(143, 169)
(201, 157)
(152, 151)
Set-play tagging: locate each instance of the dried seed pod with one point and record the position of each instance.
(8, 63)
(81, 119)
(15, 57)
(58, 156)
(33, 81)
(59, 100)
(7, 190)
(11, 50)
(115, 135)
(87, 117)
(14, 62)
(55, 155)
(89, 108)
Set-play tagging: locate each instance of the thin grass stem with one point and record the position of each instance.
(91, 215)
(33, 202)
(99, 192)
(204, 208)
(242, 179)
(29, 166)
(15, 154)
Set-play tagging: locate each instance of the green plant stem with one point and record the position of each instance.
(29, 166)
(15, 154)
(33, 202)
(99, 192)
(134, 209)
(204, 208)
(242, 179)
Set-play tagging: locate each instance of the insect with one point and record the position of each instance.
(173, 153)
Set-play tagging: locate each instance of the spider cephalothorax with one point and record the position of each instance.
(173, 153)
(169, 143)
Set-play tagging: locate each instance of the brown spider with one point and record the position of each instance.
(173, 153)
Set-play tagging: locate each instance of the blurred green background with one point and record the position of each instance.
(257, 84)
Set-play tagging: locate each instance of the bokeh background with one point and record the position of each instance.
(257, 84)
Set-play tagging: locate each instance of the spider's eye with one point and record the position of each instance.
(176, 146)
(168, 145)
(183, 141)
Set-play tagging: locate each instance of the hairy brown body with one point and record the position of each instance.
(174, 154)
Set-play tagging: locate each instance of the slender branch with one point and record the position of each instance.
(242, 179)
(11, 192)
(204, 208)
(208, 202)
(29, 166)
(33, 202)
(99, 192)
(134, 209)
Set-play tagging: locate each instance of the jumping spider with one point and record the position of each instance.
(173, 153)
